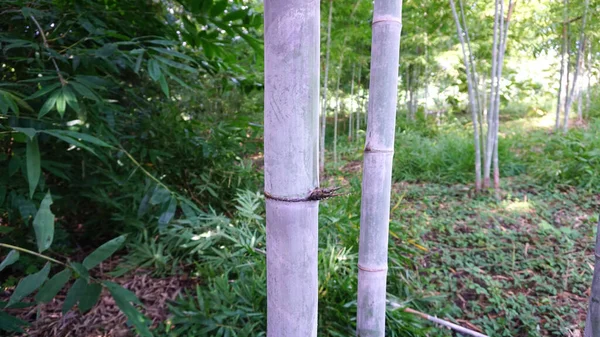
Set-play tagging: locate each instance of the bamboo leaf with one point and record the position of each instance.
(163, 85)
(159, 196)
(69, 140)
(49, 105)
(123, 299)
(138, 62)
(11, 257)
(33, 165)
(103, 252)
(90, 297)
(74, 294)
(44, 91)
(154, 69)
(61, 104)
(79, 136)
(43, 224)
(81, 270)
(10, 323)
(71, 99)
(30, 132)
(166, 217)
(53, 286)
(28, 285)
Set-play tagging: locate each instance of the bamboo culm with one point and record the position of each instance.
(592, 323)
(472, 98)
(335, 116)
(578, 65)
(351, 110)
(377, 169)
(291, 129)
(324, 105)
(563, 51)
(490, 117)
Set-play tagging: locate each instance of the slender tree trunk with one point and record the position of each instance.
(567, 86)
(324, 105)
(377, 169)
(491, 118)
(351, 110)
(472, 98)
(578, 64)
(563, 51)
(592, 323)
(335, 117)
(589, 79)
(358, 109)
(471, 58)
(291, 165)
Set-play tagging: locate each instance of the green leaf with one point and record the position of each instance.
(43, 224)
(138, 63)
(79, 136)
(69, 140)
(11, 257)
(166, 217)
(44, 91)
(71, 99)
(10, 323)
(81, 270)
(177, 65)
(103, 252)
(163, 85)
(154, 69)
(123, 299)
(34, 169)
(29, 284)
(61, 104)
(235, 15)
(160, 195)
(53, 286)
(173, 53)
(84, 91)
(49, 105)
(107, 50)
(30, 132)
(90, 297)
(74, 294)
(218, 8)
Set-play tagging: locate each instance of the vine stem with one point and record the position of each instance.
(32, 253)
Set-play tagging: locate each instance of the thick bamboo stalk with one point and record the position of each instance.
(577, 65)
(291, 165)
(592, 323)
(472, 98)
(324, 105)
(377, 169)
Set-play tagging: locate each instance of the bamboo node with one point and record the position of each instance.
(386, 18)
(371, 270)
(315, 195)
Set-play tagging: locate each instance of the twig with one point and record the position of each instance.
(439, 321)
(63, 82)
(5, 245)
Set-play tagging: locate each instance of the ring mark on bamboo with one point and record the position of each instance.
(371, 270)
(386, 18)
(316, 195)
(378, 150)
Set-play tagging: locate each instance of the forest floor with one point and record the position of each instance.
(519, 266)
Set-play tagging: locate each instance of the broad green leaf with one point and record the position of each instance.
(154, 69)
(44, 90)
(123, 299)
(74, 294)
(61, 104)
(167, 215)
(53, 286)
(30, 132)
(10, 323)
(34, 169)
(50, 103)
(103, 252)
(163, 85)
(28, 285)
(43, 224)
(11, 257)
(89, 298)
(71, 99)
(159, 195)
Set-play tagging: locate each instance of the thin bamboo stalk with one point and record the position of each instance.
(324, 105)
(377, 169)
(563, 51)
(491, 118)
(291, 165)
(592, 323)
(351, 110)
